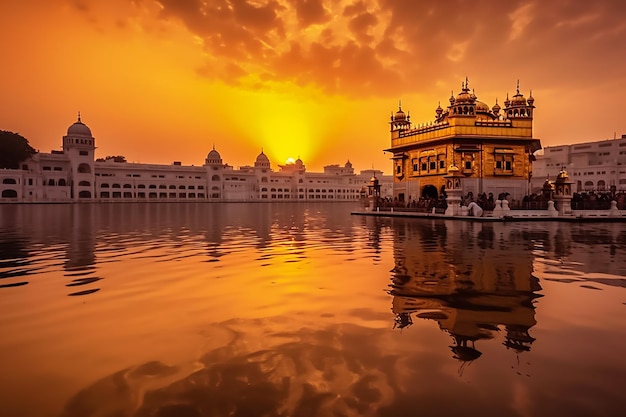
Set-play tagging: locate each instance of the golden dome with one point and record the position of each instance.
(481, 107)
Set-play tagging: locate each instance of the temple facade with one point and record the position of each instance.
(492, 147)
(73, 174)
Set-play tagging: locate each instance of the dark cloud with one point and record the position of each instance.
(392, 46)
(310, 12)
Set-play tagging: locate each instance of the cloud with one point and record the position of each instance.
(520, 19)
(365, 47)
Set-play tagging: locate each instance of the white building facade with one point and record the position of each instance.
(74, 175)
(592, 166)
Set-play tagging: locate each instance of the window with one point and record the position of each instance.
(433, 165)
(442, 164)
(468, 165)
(424, 166)
(83, 153)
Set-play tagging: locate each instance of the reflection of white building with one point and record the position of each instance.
(592, 166)
(73, 174)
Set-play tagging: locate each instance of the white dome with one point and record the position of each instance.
(213, 155)
(79, 129)
(262, 158)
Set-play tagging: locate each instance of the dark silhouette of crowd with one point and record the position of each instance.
(586, 200)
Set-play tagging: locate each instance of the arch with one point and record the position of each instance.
(105, 185)
(181, 187)
(215, 188)
(116, 186)
(9, 194)
(152, 186)
(84, 194)
(84, 169)
(601, 185)
(128, 186)
(50, 181)
(62, 182)
(104, 194)
(82, 183)
(141, 186)
(263, 179)
(162, 187)
(429, 191)
(588, 185)
(215, 178)
(172, 187)
(9, 181)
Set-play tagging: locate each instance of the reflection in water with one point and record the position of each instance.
(284, 309)
(471, 290)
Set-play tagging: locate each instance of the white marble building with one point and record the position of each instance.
(74, 175)
(592, 166)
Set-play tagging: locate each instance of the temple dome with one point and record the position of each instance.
(79, 129)
(399, 115)
(262, 158)
(214, 156)
(518, 100)
(481, 107)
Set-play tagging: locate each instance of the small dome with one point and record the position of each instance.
(531, 99)
(482, 107)
(79, 129)
(439, 110)
(463, 97)
(213, 155)
(262, 158)
(496, 108)
(518, 100)
(399, 115)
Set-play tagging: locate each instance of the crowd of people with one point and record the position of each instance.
(586, 200)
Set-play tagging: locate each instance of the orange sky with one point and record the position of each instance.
(159, 81)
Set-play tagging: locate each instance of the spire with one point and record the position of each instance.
(399, 104)
(79, 117)
(518, 86)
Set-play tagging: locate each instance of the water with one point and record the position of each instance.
(304, 310)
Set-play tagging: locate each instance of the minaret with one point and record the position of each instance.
(79, 145)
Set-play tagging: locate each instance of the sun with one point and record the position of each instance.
(290, 161)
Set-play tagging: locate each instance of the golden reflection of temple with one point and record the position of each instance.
(471, 278)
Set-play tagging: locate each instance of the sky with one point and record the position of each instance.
(163, 81)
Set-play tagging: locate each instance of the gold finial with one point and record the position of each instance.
(79, 117)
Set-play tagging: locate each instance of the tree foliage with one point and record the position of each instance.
(14, 148)
(116, 158)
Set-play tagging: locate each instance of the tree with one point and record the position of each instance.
(14, 148)
(116, 158)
